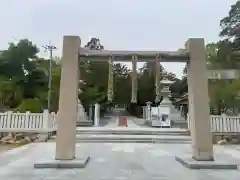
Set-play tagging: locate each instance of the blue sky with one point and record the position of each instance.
(120, 24)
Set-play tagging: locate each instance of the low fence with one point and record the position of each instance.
(223, 124)
(47, 122)
(219, 123)
(26, 122)
(36, 122)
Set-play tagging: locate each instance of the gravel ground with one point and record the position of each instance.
(5, 147)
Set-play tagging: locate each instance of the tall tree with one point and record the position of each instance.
(122, 84)
(224, 98)
(94, 44)
(95, 77)
(230, 25)
(21, 75)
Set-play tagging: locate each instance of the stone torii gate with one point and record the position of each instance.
(202, 147)
(132, 56)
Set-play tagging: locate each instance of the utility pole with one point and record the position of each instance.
(50, 49)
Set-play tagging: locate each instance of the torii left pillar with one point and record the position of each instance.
(68, 103)
(134, 79)
(66, 132)
(110, 79)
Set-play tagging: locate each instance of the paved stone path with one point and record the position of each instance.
(117, 161)
(111, 119)
(114, 121)
(114, 162)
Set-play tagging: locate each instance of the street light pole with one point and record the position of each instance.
(50, 49)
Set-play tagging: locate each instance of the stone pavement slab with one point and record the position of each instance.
(134, 137)
(131, 122)
(112, 121)
(115, 161)
(147, 129)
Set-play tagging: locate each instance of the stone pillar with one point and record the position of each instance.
(157, 79)
(199, 112)
(134, 79)
(148, 111)
(47, 119)
(144, 112)
(96, 114)
(110, 79)
(66, 130)
(90, 110)
(81, 113)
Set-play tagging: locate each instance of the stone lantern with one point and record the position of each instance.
(164, 109)
(148, 111)
(166, 91)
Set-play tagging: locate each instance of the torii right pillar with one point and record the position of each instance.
(199, 111)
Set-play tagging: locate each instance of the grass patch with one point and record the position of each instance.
(7, 147)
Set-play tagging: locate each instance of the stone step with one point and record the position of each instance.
(178, 118)
(133, 131)
(132, 141)
(131, 138)
(85, 123)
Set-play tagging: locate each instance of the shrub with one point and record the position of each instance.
(32, 105)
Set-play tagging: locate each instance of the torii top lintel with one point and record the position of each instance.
(142, 56)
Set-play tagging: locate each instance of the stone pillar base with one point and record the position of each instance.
(191, 163)
(63, 164)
